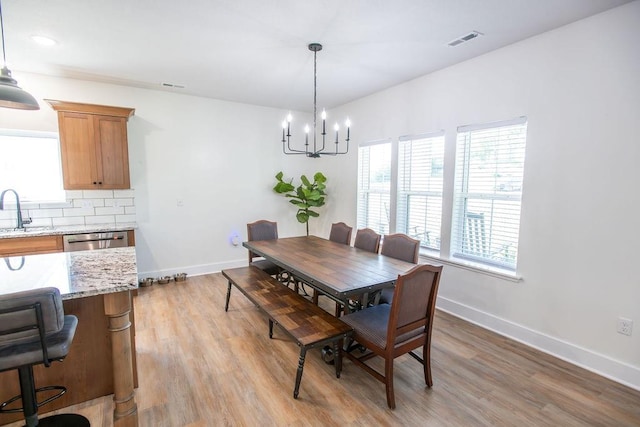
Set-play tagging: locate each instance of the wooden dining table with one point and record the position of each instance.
(339, 271)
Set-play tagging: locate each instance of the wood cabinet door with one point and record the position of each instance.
(30, 245)
(112, 156)
(78, 151)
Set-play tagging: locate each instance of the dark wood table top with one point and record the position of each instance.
(336, 269)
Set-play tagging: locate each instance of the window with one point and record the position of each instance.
(374, 186)
(30, 164)
(474, 217)
(488, 191)
(420, 181)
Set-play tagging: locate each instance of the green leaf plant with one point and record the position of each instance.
(306, 196)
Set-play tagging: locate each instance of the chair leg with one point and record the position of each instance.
(226, 304)
(426, 361)
(388, 382)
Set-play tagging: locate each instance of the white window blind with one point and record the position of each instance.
(488, 191)
(374, 186)
(420, 181)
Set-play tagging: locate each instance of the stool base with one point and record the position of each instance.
(64, 420)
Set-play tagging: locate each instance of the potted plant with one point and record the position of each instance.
(306, 196)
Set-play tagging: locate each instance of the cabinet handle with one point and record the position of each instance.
(100, 182)
(95, 183)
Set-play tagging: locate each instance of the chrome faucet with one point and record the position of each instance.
(21, 222)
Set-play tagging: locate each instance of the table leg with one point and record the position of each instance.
(117, 307)
(337, 356)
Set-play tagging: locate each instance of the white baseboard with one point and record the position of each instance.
(605, 366)
(195, 270)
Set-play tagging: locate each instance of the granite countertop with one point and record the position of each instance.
(76, 274)
(28, 231)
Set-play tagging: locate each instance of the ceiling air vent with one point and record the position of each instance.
(472, 35)
(172, 85)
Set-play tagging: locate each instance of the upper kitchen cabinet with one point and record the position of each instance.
(93, 145)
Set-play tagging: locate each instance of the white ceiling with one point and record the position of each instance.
(255, 51)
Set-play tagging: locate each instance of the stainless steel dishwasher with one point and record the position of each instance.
(92, 241)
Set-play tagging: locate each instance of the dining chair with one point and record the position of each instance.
(368, 240)
(389, 331)
(263, 230)
(340, 233)
(399, 246)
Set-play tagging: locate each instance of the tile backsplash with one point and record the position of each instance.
(83, 207)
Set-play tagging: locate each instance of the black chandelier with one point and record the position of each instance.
(316, 151)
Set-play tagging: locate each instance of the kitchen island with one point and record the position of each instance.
(96, 287)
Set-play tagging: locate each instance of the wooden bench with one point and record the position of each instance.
(309, 325)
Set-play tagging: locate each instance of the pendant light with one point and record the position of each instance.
(317, 150)
(11, 96)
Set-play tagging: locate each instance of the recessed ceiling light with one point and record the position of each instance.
(44, 41)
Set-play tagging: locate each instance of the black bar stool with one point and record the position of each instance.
(34, 330)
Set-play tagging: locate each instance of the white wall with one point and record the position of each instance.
(579, 86)
(219, 158)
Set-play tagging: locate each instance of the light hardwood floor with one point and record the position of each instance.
(200, 366)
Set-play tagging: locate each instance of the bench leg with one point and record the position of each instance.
(226, 304)
(270, 328)
(296, 389)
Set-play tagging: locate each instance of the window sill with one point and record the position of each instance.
(471, 266)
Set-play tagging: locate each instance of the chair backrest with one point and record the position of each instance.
(368, 240)
(401, 246)
(340, 233)
(475, 241)
(414, 303)
(29, 316)
(261, 230)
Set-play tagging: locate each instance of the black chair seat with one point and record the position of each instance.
(30, 353)
(371, 323)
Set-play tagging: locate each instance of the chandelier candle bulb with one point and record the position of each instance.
(306, 135)
(348, 124)
(324, 117)
(337, 128)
